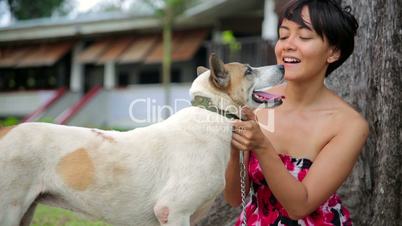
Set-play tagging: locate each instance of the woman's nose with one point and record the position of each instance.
(289, 44)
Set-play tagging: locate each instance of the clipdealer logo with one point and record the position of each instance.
(155, 113)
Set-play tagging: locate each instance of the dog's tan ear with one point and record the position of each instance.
(201, 69)
(219, 76)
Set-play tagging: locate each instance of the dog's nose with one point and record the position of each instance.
(281, 68)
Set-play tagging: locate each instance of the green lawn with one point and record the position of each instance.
(48, 216)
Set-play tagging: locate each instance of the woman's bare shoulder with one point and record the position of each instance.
(348, 116)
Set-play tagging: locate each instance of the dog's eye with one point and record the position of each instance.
(248, 71)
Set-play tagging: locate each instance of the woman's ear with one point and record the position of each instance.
(334, 55)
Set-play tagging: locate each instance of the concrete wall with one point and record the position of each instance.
(21, 103)
(135, 106)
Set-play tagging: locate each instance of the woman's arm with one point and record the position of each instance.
(231, 192)
(329, 170)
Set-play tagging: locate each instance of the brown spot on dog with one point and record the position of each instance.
(103, 136)
(4, 131)
(77, 169)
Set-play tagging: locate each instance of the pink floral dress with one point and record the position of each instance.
(264, 210)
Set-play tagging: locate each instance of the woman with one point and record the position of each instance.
(296, 169)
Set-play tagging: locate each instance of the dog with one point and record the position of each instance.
(168, 173)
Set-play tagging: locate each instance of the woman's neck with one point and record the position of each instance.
(301, 95)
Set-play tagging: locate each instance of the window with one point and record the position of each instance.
(149, 77)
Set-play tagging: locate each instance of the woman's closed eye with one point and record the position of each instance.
(305, 38)
(306, 34)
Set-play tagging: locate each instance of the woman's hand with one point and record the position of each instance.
(247, 135)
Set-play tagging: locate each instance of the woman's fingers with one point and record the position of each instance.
(238, 145)
(244, 124)
(243, 143)
(247, 134)
(246, 129)
(249, 114)
(239, 138)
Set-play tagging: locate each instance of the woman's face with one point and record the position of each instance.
(302, 51)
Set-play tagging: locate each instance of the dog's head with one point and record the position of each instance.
(238, 84)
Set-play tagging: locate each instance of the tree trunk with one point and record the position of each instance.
(371, 81)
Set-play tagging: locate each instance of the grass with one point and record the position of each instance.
(48, 216)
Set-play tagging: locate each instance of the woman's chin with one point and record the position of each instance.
(292, 77)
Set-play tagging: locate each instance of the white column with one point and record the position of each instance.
(109, 81)
(270, 23)
(217, 35)
(77, 69)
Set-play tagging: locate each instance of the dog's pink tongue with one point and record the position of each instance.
(268, 96)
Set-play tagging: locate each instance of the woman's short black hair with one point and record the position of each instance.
(329, 20)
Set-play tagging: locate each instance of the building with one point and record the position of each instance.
(89, 71)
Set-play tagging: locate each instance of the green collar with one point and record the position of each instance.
(206, 103)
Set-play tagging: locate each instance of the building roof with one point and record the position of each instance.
(204, 13)
(122, 49)
(44, 54)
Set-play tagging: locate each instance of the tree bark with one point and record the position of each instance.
(371, 81)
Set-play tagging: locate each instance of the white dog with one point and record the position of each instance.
(162, 174)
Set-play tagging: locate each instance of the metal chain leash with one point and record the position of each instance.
(243, 188)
